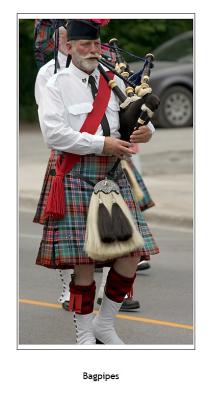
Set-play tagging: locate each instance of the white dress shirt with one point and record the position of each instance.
(63, 107)
(46, 72)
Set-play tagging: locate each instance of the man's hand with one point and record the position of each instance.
(117, 147)
(141, 135)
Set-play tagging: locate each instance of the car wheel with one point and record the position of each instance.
(176, 108)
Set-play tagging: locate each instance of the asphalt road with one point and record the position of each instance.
(165, 292)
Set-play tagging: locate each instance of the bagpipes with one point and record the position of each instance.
(138, 103)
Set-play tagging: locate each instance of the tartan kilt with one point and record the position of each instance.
(47, 182)
(147, 201)
(62, 244)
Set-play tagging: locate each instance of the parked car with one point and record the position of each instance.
(172, 80)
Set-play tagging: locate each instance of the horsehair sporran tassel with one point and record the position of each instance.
(94, 246)
(137, 191)
(121, 225)
(105, 225)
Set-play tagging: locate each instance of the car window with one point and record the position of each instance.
(178, 51)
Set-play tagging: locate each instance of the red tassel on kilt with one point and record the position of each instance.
(55, 206)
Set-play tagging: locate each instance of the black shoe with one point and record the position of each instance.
(143, 265)
(129, 304)
(65, 305)
(98, 341)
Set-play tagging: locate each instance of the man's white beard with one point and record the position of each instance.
(89, 65)
(85, 64)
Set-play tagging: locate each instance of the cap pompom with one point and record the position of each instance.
(101, 22)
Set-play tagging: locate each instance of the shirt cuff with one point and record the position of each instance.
(151, 127)
(98, 144)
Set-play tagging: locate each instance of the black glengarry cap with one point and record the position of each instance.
(78, 29)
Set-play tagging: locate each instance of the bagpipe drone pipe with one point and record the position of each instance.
(138, 103)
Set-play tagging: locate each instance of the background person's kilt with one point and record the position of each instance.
(147, 201)
(62, 244)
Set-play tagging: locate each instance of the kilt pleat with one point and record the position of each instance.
(47, 181)
(62, 244)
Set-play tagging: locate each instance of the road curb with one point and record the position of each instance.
(170, 219)
(29, 204)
